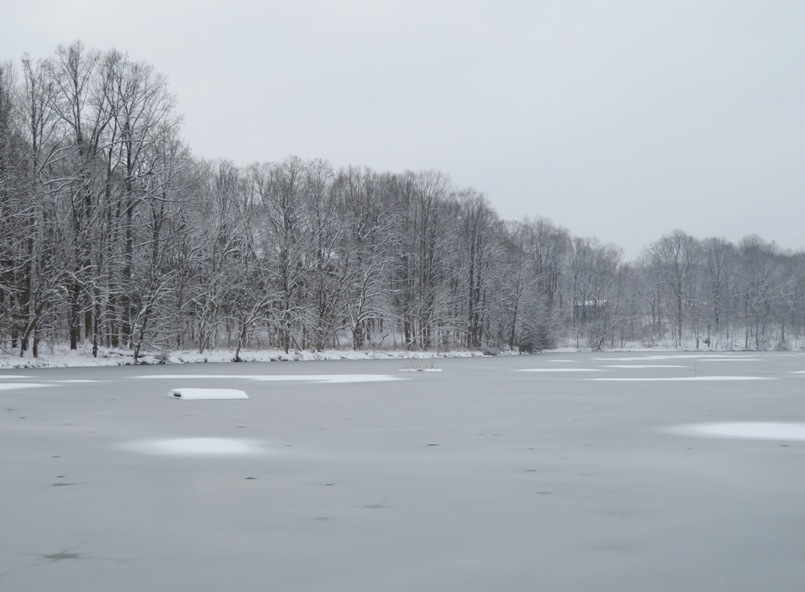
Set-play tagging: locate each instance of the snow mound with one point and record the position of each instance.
(206, 394)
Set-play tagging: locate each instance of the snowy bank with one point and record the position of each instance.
(67, 359)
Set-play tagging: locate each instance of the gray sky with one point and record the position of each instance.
(615, 118)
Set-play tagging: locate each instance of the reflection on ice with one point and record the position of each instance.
(746, 430)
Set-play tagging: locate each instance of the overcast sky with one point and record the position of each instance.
(615, 118)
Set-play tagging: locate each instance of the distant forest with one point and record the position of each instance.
(114, 235)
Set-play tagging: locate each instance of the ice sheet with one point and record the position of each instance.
(474, 479)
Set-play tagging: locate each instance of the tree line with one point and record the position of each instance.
(114, 235)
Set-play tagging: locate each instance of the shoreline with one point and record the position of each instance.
(81, 359)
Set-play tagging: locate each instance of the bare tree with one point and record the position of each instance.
(674, 257)
(762, 284)
(547, 247)
(363, 201)
(719, 265)
(286, 240)
(478, 234)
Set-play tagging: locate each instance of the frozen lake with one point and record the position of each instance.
(558, 472)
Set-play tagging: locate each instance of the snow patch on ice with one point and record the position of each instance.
(684, 379)
(10, 386)
(206, 394)
(320, 378)
(195, 447)
(744, 430)
(698, 357)
(638, 366)
(739, 359)
(559, 370)
(346, 378)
